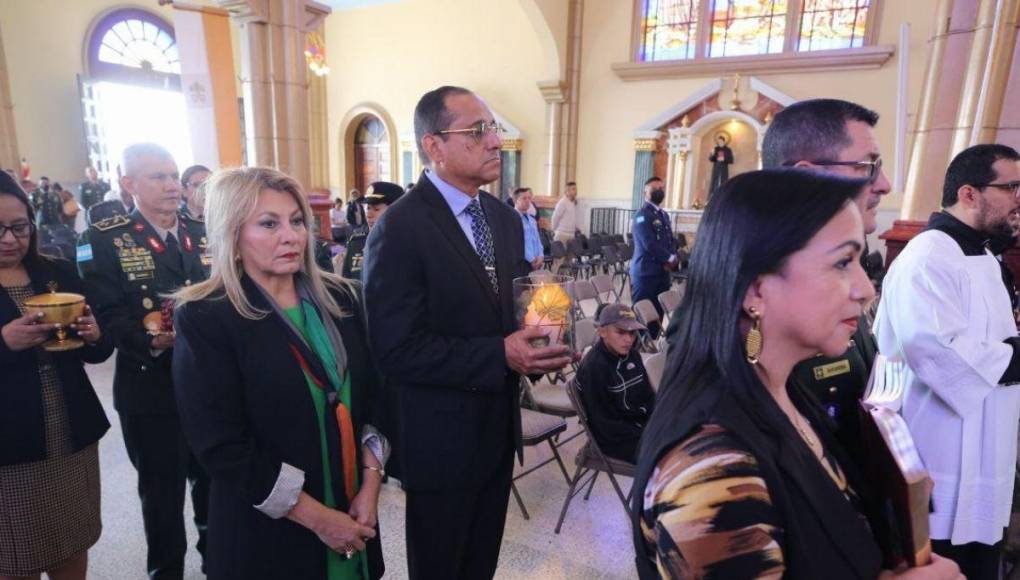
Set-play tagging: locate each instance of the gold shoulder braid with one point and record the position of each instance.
(112, 222)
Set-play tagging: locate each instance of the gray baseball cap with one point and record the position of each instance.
(620, 316)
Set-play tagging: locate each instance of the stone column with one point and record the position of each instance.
(568, 161)
(554, 93)
(644, 167)
(318, 129)
(975, 75)
(510, 169)
(987, 118)
(936, 115)
(9, 157)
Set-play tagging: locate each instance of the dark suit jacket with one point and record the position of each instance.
(22, 428)
(128, 270)
(245, 408)
(824, 534)
(437, 330)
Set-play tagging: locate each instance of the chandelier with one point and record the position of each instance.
(315, 53)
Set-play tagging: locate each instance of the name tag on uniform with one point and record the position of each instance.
(84, 252)
(832, 369)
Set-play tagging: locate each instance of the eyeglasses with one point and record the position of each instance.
(478, 131)
(1010, 186)
(20, 230)
(874, 166)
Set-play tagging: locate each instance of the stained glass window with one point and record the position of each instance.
(137, 44)
(745, 27)
(669, 29)
(828, 24)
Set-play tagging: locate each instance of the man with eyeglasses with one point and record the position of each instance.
(946, 311)
(438, 271)
(129, 263)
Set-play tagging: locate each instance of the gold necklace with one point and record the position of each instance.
(803, 432)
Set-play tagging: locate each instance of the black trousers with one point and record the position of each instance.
(977, 561)
(160, 454)
(650, 287)
(456, 534)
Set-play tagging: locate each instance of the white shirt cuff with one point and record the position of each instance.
(285, 493)
(376, 443)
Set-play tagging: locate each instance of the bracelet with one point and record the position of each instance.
(381, 471)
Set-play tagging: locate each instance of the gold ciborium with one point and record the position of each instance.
(61, 308)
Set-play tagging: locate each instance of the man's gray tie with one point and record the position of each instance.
(483, 241)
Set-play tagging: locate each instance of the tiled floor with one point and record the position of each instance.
(595, 542)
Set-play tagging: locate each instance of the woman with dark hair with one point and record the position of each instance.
(739, 474)
(50, 417)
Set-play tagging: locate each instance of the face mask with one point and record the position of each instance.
(658, 196)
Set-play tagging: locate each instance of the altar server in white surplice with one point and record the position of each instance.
(946, 310)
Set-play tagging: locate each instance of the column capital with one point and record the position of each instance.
(247, 10)
(315, 13)
(554, 91)
(645, 144)
(512, 144)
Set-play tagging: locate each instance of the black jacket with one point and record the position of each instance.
(245, 408)
(824, 535)
(437, 330)
(618, 399)
(22, 429)
(128, 271)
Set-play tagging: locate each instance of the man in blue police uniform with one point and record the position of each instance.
(379, 196)
(129, 263)
(654, 250)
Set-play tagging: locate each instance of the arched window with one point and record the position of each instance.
(134, 46)
(371, 153)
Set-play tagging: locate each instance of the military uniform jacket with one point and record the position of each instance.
(653, 241)
(355, 254)
(127, 268)
(93, 192)
(51, 209)
(839, 383)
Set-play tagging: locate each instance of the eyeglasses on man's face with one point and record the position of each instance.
(478, 131)
(872, 166)
(1013, 187)
(18, 230)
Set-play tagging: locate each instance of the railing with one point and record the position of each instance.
(618, 220)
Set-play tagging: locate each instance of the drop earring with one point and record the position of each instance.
(752, 344)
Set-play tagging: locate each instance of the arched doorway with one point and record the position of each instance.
(372, 160)
(133, 89)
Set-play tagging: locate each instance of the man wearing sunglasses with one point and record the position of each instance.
(946, 312)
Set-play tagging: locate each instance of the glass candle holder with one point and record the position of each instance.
(546, 303)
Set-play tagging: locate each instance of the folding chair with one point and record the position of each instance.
(545, 397)
(647, 314)
(655, 365)
(584, 334)
(591, 462)
(669, 300)
(585, 295)
(605, 289)
(537, 428)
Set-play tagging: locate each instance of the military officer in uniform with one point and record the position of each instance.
(379, 196)
(92, 189)
(654, 250)
(128, 263)
(835, 136)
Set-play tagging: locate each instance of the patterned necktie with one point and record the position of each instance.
(483, 241)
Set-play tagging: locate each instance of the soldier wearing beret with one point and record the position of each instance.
(379, 196)
(129, 262)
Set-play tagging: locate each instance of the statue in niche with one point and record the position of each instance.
(721, 159)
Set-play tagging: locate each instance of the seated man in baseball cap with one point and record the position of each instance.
(615, 389)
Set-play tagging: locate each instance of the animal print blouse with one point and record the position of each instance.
(708, 514)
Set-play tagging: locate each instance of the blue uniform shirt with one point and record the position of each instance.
(654, 244)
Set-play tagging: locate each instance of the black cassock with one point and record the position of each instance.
(721, 158)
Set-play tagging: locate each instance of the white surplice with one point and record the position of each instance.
(946, 314)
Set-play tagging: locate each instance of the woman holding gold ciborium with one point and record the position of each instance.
(50, 417)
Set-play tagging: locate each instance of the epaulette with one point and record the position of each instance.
(112, 222)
